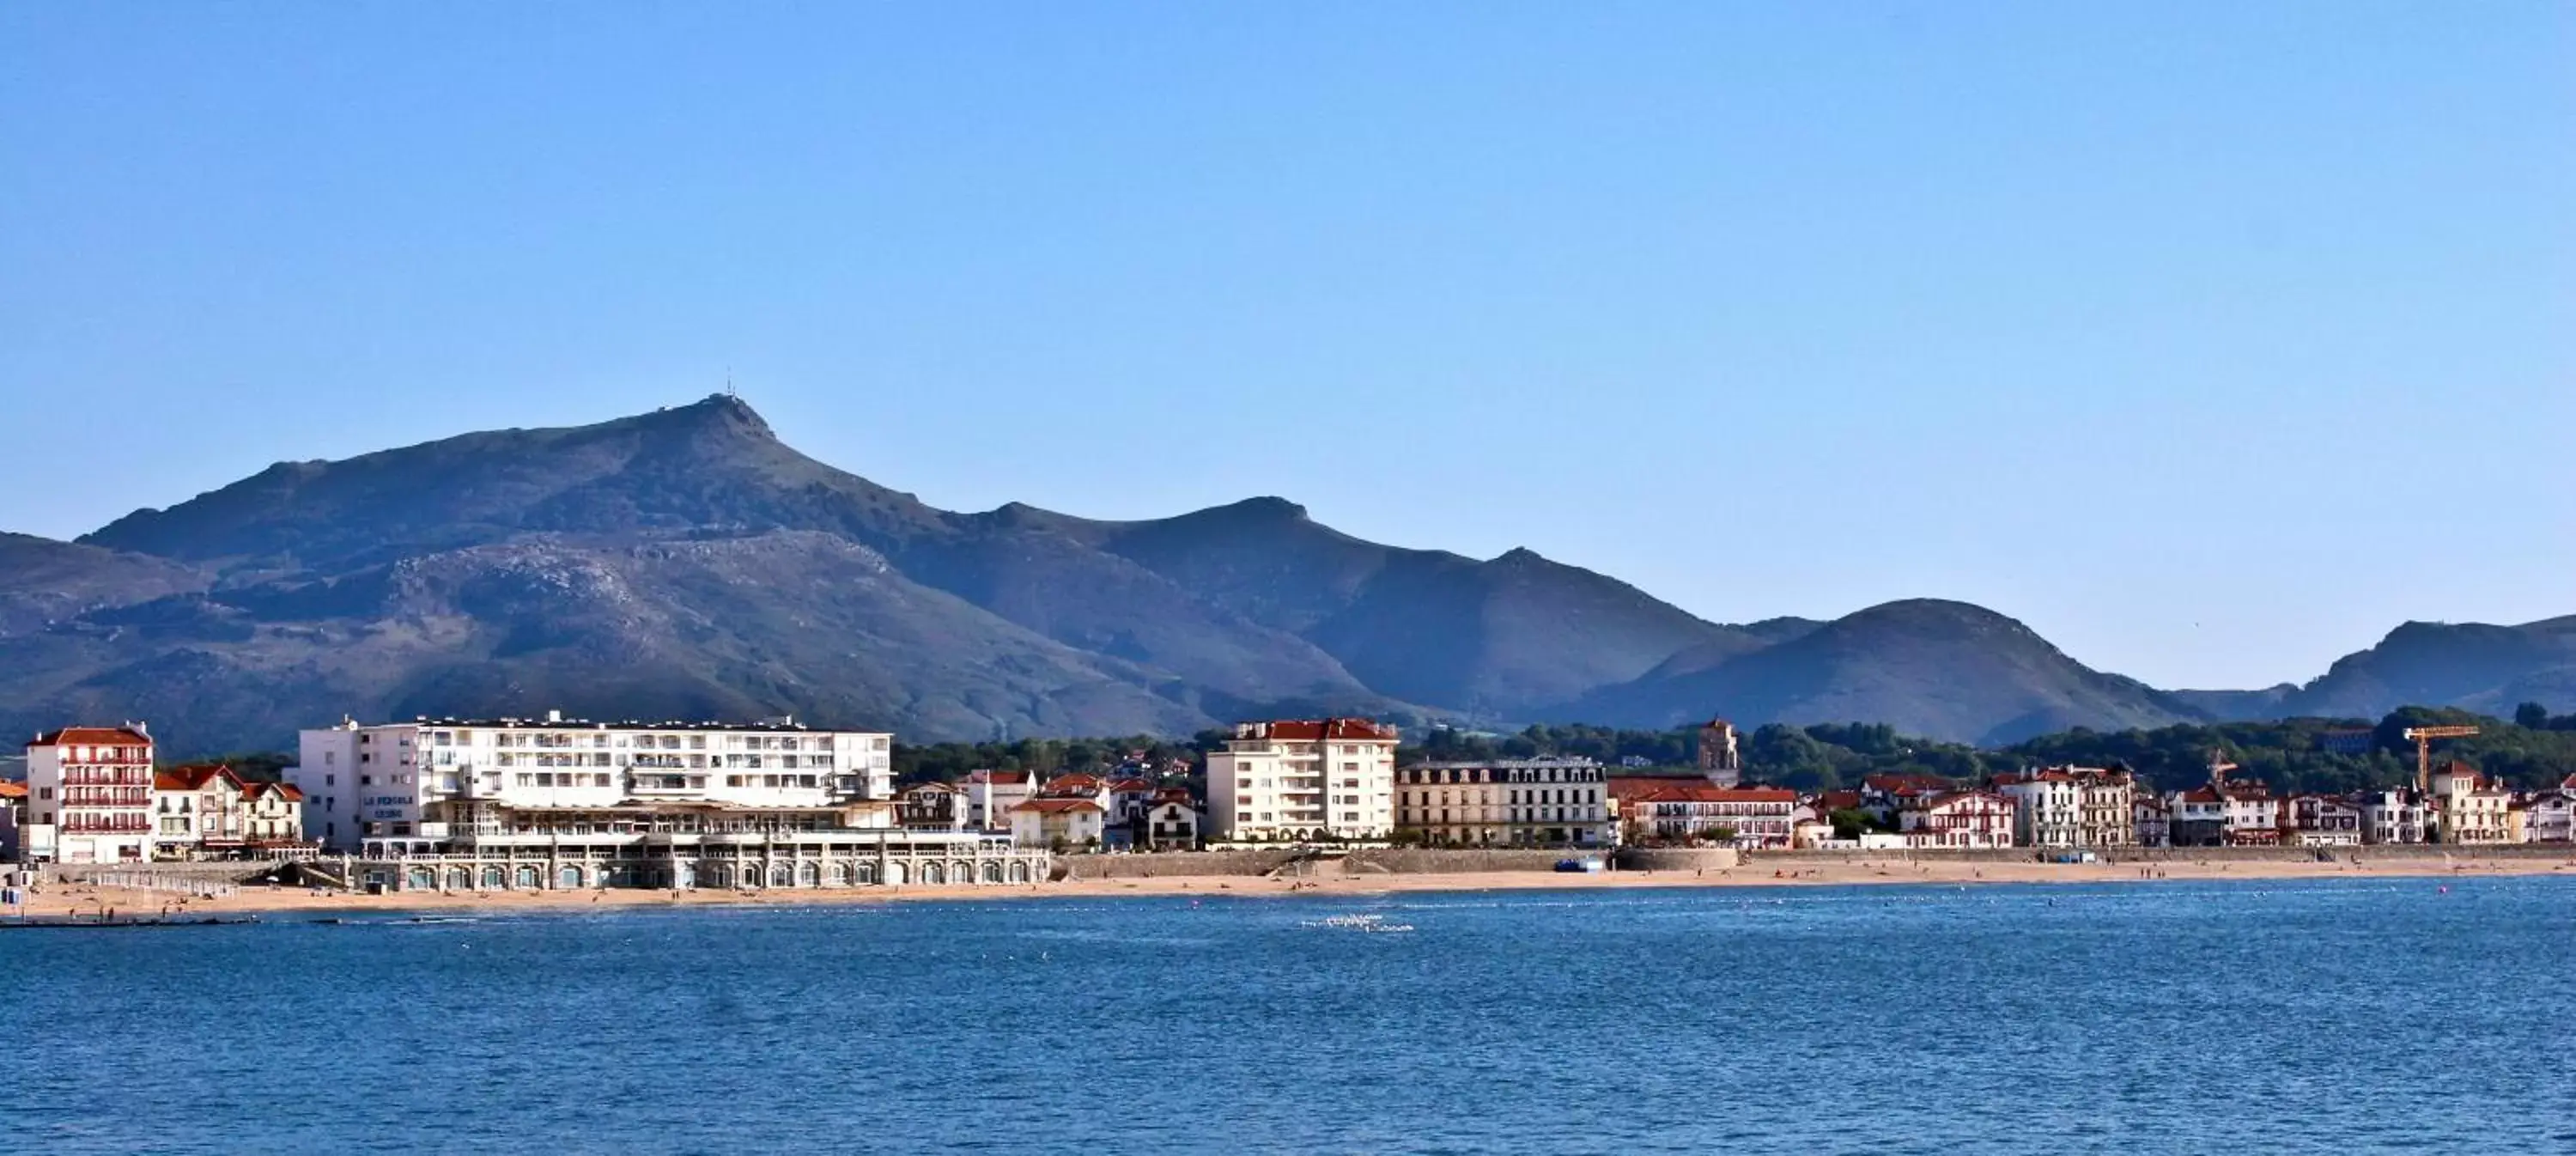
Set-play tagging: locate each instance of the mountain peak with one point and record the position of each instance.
(716, 412)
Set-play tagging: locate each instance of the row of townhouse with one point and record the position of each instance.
(93, 795)
(2462, 807)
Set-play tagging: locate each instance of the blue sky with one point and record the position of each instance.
(2211, 340)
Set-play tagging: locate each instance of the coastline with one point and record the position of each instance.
(57, 900)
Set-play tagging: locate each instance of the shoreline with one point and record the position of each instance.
(54, 901)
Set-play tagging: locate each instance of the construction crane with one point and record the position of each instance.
(2424, 737)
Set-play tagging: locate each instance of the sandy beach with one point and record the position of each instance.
(76, 899)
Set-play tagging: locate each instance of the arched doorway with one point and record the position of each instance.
(894, 874)
(460, 879)
(525, 876)
(934, 873)
(492, 877)
(992, 871)
(1019, 872)
(568, 878)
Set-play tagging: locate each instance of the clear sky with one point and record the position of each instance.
(2211, 340)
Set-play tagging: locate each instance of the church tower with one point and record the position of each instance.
(1718, 758)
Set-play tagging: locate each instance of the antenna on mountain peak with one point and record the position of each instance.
(729, 383)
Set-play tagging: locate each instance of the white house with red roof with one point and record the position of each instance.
(89, 793)
(2323, 821)
(211, 809)
(1170, 822)
(2470, 807)
(1668, 810)
(2550, 817)
(1058, 822)
(1303, 779)
(990, 795)
(1959, 821)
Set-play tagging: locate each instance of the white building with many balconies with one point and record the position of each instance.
(1303, 779)
(89, 794)
(559, 802)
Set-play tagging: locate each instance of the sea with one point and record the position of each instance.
(2385, 1015)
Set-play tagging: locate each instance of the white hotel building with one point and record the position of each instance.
(519, 803)
(1303, 779)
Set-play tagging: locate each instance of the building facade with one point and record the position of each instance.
(2324, 821)
(1674, 810)
(2469, 807)
(930, 807)
(1542, 802)
(569, 803)
(1959, 820)
(89, 793)
(2393, 816)
(210, 810)
(1303, 779)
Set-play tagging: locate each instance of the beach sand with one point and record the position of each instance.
(76, 899)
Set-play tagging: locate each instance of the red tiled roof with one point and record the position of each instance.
(287, 791)
(194, 778)
(1310, 730)
(1903, 784)
(1686, 791)
(1057, 806)
(1948, 797)
(1131, 785)
(93, 736)
(12, 789)
(997, 777)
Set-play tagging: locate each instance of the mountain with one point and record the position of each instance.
(2473, 665)
(1927, 667)
(689, 563)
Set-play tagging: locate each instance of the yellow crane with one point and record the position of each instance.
(2424, 737)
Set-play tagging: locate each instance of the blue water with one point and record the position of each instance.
(2330, 1016)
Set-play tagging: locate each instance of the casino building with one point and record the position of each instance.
(558, 803)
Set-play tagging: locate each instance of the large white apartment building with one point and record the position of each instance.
(557, 802)
(406, 786)
(1303, 779)
(89, 794)
(573, 804)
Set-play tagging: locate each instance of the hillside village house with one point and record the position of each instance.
(89, 793)
(1298, 779)
(1540, 802)
(1959, 820)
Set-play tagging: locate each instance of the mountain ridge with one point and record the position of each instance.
(689, 561)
